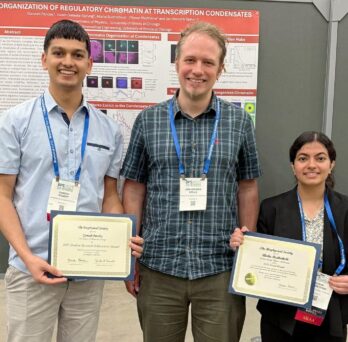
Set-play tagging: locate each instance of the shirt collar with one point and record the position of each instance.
(211, 109)
(51, 104)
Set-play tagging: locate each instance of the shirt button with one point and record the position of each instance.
(71, 129)
(189, 221)
(71, 151)
(71, 172)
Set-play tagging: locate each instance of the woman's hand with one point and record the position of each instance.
(339, 284)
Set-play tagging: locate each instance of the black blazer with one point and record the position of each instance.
(280, 216)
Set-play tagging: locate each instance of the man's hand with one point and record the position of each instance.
(136, 243)
(237, 237)
(133, 286)
(39, 270)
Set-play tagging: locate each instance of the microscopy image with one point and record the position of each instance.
(92, 81)
(121, 57)
(133, 58)
(110, 45)
(121, 45)
(107, 82)
(110, 57)
(97, 49)
(250, 107)
(133, 46)
(136, 83)
(121, 82)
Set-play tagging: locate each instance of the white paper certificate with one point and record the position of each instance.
(275, 269)
(90, 245)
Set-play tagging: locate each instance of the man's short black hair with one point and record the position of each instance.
(67, 29)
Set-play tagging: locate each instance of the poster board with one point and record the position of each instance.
(133, 48)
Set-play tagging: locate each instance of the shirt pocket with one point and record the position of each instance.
(98, 147)
(97, 159)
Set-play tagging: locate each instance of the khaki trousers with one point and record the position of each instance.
(33, 309)
(163, 306)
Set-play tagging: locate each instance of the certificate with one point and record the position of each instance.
(88, 245)
(275, 269)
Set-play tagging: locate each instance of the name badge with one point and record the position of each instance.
(321, 298)
(193, 194)
(63, 196)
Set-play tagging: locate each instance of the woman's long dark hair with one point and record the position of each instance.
(311, 136)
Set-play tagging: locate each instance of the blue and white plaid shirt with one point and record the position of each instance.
(191, 244)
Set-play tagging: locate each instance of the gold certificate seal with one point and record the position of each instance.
(250, 278)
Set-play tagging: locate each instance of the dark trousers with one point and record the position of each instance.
(163, 306)
(303, 332)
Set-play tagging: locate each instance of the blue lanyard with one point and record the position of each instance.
(333, 226)
(207, 161)
(53, 146)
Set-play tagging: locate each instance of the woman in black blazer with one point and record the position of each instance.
(312, 157)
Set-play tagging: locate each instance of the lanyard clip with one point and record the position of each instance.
(57, 179)
(182, 176)
(203, 176)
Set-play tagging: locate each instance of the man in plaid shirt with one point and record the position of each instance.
(190, 174)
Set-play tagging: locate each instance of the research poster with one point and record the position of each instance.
(133, 49)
